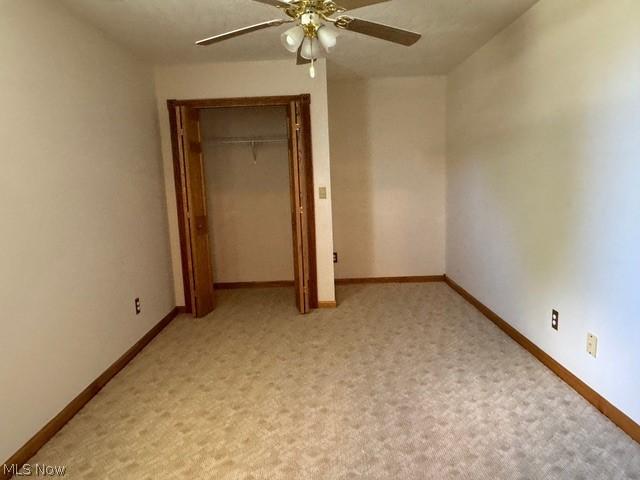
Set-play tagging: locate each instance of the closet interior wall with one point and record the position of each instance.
(247, 181)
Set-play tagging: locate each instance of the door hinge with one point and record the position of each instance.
(301, 209)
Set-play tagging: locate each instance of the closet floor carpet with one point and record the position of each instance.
(402, 381)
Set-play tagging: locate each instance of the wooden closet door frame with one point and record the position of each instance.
(304, 102)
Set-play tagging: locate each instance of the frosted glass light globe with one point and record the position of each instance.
(327, 37)
(292, 38)
(311, 49)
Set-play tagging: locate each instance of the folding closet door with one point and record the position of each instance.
(196, 222)
(309, 218)
(299, 207)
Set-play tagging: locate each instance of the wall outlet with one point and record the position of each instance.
(555, 319)
(322, 193)
(592, 345)
(335, 257)
(138, 306)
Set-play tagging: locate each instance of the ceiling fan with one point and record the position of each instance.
(314, 33)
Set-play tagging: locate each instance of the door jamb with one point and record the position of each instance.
(283, 101)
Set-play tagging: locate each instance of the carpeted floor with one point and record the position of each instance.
(400, 382)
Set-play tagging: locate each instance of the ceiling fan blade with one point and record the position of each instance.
(241, 31)
(378, 30)
(353, 4)
(274, 3)
(301, 60)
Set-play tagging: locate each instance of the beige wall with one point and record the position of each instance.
(249, 200)
(388, 175)
(543, 191)
(83, 212)
(250, 79)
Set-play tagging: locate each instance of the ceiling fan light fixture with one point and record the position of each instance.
(316, 29)
(292, 38)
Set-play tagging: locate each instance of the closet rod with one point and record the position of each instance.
(246, 140)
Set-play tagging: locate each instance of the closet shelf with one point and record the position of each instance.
(245, 140)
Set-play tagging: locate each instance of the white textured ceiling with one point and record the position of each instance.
(163, 32)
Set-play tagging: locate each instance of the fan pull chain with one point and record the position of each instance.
(312, 69)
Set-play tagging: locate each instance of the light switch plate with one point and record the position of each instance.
(592, 345)
(322, 193)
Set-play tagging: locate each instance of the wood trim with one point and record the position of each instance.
(614, 414)
(415, 279)
(180, 203)
(238, 102)
(270, 284)
(29, 449)
(327, 304)
(284, 101)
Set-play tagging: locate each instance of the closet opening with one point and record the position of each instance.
(244, 189)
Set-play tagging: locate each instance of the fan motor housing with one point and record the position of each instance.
(322, 8)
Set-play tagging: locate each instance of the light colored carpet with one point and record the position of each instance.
(400, 382)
